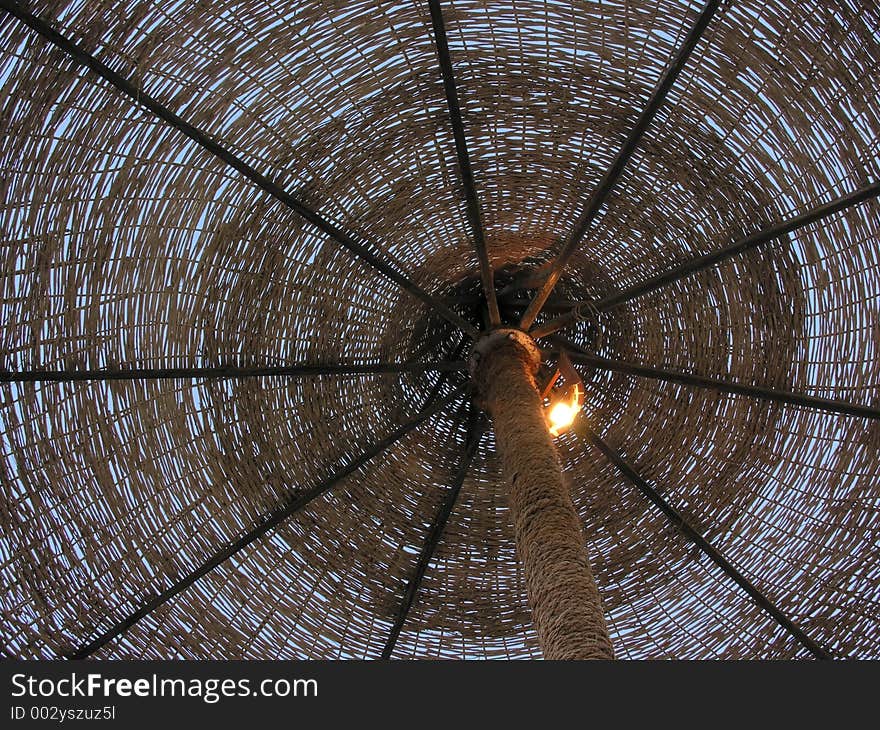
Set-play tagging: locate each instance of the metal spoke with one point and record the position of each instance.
(609, 179)
(294, 504)
(221, 371)
(701, 263)
(677, 520)
(444, 377)
(264, 183)
(725, 386)
(475, 430)
(464, 163)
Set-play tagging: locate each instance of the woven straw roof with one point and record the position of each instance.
(127, 245)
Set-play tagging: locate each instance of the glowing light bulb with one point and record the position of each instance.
(562, 414)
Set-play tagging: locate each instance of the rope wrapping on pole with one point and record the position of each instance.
(565, 603)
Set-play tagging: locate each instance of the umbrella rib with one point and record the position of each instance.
(612, 174)
(232, 160)
(676, 519)
(435, 392)
(725, 386)
(701, 263)
(294, 503)
(472, 441)
(226, 371)
(472, 204)
(445, 376)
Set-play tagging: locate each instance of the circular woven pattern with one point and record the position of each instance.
(125, 244)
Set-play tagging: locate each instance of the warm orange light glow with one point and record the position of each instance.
(562, 413)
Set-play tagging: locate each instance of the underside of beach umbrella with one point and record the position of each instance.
(294, 294)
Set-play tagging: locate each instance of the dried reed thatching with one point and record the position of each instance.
(126, 244)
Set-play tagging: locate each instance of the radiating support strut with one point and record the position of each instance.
(724, 386)
(201, 138)
(701, 263)
(612, 174)
(464, 163)
(474, 433)
(223, 371)
(295, 502)
(678, 521)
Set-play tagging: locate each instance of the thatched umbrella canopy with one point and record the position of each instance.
(247, 249)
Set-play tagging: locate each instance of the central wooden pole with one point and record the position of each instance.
(566, 608)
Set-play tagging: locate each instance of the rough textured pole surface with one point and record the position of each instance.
(566, 608)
